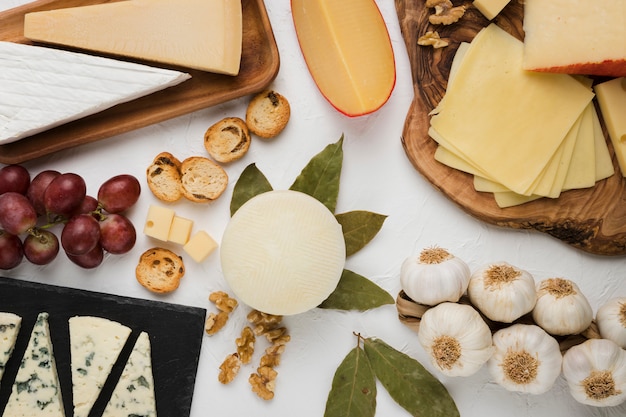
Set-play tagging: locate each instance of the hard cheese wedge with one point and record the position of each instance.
(134, 393)
(36, 390)
(95, 344)
(9, 328)
(348, 51)
(200, 34)
(518, 119)
(41, 88)
(283, 252)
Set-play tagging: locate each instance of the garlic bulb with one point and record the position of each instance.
(502, 292)
(561, 308)
(434, 276)
(611, 321)
(456, 337)
(526, 359)
(595, 371)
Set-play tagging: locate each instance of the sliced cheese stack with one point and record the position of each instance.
(41, 88)
(523, 135)
(612, 100)
(575, 36)
(9, 328)
(283, 252)
(200, 34)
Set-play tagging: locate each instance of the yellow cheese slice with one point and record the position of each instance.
(283, 252)
(158, 222)
(604, 163)
(612, 100)
(507, 121)
(200, 246)
(582, 169)
(180, 230)
(490, 8)
(199, 34)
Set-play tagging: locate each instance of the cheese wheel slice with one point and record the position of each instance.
(283, 252)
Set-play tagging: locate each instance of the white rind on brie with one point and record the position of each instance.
(9, 328)
(41, 88)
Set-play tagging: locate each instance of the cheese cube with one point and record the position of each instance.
(200, 246)
(180, 230)
(158, 222)
(612, 100)
(490, 8)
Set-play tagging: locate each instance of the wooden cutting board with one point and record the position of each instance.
(593, 220)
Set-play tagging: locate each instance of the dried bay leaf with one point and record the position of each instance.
(251, 182)
(355, 292)
(408, 382)
(359, 228)
(353, 391)
(320, 177)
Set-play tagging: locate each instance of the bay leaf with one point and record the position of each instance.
(355, 292)
(251, 182)
(353, 391)
(408, 382)
(320, 177)
(359, 228)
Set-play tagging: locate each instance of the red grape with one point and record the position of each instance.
(80, 234)
(89, 260)
(41, 247)
(14, 178)
(88, 206)
(38, 187)
(11, 251)
(118, 234)
(64, 194)
(119, 193)
(17, 214)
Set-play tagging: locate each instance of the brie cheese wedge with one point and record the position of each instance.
(41, 88)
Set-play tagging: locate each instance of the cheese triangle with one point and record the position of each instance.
(9, 328)
(199, 34)
(95, 344)
(134, 393)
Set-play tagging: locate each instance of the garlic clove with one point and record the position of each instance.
(611, 321)
(434, 276)
(502, 292)
(456, 338)
(595, 372)
(561, 308)
(526, 359)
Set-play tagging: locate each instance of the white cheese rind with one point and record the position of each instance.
(41, 88)
(9, 328)
(36, 390)
(134, 393)
(283, 252)
(95, 345)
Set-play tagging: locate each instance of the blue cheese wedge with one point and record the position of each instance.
(134, 393)
(41, 88)
(9, 328)
(95, 345)
(36, 390)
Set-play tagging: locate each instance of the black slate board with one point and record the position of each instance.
(176, 334)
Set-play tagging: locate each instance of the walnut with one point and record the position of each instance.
(431, 38)
(272, 355)
(229, 368)
(215, 322)
(245, 345)
(263, 382)
(446, 13)
(223, 301)
(263, 322)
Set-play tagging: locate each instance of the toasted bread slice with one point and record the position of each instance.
(202, 179)
(267, 114)
(163, 177)
(160, 270)
(227, 140)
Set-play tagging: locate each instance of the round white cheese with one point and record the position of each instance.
(283, 252)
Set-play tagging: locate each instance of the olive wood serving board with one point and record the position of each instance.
(593, 219)
(260, 63)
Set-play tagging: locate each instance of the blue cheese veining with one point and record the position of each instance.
(36, 390)
(9, 328)
(134, 393)
(95, 345)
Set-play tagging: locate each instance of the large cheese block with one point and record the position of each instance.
(612, 100)
(133, 394)
(200, 34)
(95, 344)
(41, 88)
(283, 252)
(36, 390)
(575, 36)
(9, 328)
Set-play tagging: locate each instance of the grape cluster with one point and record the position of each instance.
(90, 226)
